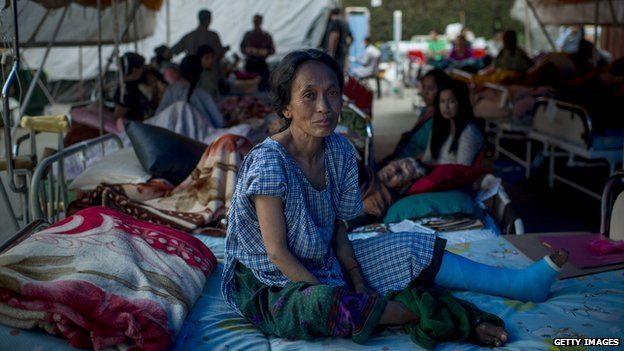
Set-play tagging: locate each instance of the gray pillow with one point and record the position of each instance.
(163, 153)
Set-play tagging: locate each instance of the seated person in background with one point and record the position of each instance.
(185, 89)
(162, 62)
(455, 138)
(511, 63)
(368, 62)
(568, 41)
(414, 142)
(209, 79)
(290, 268)
(130, 102)
(461, 51)
(436, 50)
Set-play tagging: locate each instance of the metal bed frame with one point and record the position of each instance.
(50, 202)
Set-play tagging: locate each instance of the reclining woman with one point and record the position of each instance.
(455, 138)
(290, 268)
(413, 143)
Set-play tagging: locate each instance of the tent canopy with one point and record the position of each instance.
(578, 12)
(37, 21)
(293, 25)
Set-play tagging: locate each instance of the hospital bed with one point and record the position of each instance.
(589, 306)
(565, 130)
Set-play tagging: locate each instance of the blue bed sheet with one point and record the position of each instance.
(588, 306)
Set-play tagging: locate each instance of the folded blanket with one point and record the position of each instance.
(197, 204)
(102, 279)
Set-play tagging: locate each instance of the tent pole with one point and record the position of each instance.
(123, 34)
(613, 16)
(596, 24)
(99, 81)
(33, 83)
(168, 23)
(539, 21)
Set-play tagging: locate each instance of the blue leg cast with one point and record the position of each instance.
(528, 284)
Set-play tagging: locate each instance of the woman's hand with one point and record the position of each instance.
(363, 288)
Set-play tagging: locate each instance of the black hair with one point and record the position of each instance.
(439, 76)
(203, 50)
(191, 69)
(510, 41)
(204, 15)
(131, 60)
(283, 76)
(335, 11)
(441, 127)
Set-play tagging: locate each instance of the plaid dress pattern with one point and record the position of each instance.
(388, 262)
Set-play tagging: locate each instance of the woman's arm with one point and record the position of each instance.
(272, 222)
(469, 144)
(346, 257)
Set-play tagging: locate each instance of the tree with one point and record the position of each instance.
(483, 17)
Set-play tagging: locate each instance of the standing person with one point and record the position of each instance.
(257, 45)
(191, 42)
(369, 60)
(290, 268)
(337, 38)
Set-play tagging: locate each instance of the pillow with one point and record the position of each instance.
(120, 167)
(446, 177)
(429, 205)
(163, 153)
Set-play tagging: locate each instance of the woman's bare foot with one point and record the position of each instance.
(559, 257)
(488, 334)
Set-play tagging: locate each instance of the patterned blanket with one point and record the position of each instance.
(102, 279)
(196, 205)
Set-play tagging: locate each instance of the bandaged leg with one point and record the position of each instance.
(528, 284)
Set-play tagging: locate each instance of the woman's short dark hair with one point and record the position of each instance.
(191, 69)
(283, 76)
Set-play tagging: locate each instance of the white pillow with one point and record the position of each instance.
(120, 167)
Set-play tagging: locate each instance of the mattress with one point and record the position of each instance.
(588, 306)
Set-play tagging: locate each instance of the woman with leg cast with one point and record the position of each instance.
(290, 268)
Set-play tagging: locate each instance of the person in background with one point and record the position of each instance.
(130, 102)
(186, 89)
(568, 41)
(162, 62)
(369, 60)
(191, 42)
(208, 79)
(414, 142)
(461, 50)
(495, 44)
(436, 50)
(337, 37)
(257, 45)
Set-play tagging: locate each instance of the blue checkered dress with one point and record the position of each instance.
(388, 262)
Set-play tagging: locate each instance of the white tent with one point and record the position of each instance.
(293, 25)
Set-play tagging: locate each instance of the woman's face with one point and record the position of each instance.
(448, 104)
(429, 90)
(315, 101)
(397, 173)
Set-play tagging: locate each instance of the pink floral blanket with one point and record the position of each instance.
(103, 279)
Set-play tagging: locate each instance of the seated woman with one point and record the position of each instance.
(455, 138)
(290, 268)
(414, 142)
(130, 102)
(185, 89)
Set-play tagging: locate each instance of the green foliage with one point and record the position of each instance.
(421, 16)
